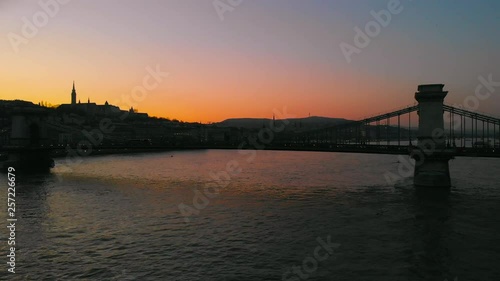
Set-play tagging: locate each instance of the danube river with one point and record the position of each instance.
(273, 215)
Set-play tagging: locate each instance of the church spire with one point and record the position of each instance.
(73, 94)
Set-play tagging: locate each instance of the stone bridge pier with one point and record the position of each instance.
(431, 154)
(28, 148)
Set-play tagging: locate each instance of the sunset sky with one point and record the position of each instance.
(261, 55)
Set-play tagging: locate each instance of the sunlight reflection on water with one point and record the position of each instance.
(117, 218)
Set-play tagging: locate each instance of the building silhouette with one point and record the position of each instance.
(73, 95)
(91, 109)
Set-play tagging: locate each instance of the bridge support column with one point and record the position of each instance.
(27, 149)
(431, 154)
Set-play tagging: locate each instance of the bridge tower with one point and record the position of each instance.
(431, 154)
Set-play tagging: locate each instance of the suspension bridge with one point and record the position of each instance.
(431, 132)
(469, 133)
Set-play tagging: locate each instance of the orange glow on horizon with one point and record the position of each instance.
(234, 69)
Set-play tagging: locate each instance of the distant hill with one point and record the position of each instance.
(13, 103)
(293, 123)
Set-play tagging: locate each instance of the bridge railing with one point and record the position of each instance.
(471, 114)
(371, 119)
(386, 111)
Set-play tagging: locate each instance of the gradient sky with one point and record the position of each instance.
(264, 55)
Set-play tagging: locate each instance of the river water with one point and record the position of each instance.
(281, 215)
